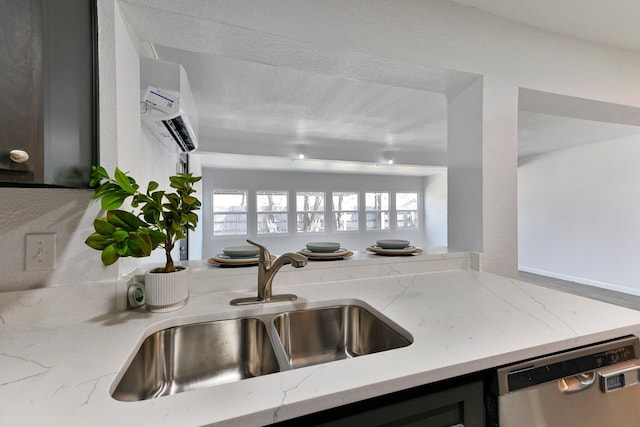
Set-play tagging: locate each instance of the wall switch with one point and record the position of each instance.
(40, 254)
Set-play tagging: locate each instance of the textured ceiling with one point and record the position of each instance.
(251, 108)
(607, 22)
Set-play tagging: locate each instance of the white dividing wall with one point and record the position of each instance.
(435, 209)
(464, 172)
(228, 179)
(578, 213)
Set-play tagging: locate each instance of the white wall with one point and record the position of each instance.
(228, 179)
(464, 171)
(435, 209)
(578, 214)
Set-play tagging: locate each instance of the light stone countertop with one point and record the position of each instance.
(61, 372)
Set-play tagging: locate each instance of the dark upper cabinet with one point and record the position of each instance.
(48, 87)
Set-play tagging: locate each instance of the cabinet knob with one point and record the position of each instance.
(19, 156)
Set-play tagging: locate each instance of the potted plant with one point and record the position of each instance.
(156, 219)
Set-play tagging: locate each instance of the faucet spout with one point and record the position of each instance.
(265, 280)
(267, 269)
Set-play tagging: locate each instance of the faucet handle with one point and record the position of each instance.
(265, 255)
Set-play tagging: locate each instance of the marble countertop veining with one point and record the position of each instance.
(461, 322)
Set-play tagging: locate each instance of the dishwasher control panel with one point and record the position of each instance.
(578, 361)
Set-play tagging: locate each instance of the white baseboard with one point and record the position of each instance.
(581, 280)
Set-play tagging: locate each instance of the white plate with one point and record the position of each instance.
(246, 251)
(404, 251)
(393, 244)
(323, 247)
(341, 253)
(223, 260)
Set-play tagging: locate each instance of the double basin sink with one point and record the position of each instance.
(199, 355)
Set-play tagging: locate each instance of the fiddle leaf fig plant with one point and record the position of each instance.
(157, 219)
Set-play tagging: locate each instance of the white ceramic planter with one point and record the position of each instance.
(166, 291)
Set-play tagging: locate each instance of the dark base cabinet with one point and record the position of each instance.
(445, 404)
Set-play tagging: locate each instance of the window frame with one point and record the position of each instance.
(388, 211)
(258, 212)
(335, 211)
(214, 212)
(321, 213)
(415, 211)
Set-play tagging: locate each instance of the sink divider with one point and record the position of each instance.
(276, 342)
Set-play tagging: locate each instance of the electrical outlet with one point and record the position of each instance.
(40, 253)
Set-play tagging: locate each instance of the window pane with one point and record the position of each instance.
(272, 201)
(229, 224)
(407, 219)
(345, 201)
(310, 201)
(272, 223)
(310, 211)
(229, 217)
(346, 221)
(377, 220)
(345, 207)
(377, 201)
(310, 222)
(406, 201)
(229, 201)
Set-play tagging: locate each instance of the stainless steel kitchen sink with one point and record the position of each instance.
(199, 355)
(195, 356)
(310, 337)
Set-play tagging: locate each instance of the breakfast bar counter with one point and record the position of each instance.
(62, 369)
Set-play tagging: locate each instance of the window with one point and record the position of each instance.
(229, 212)
(272, 211)
(407, 210)
(377, 211)
(345, 211)
(310, 212)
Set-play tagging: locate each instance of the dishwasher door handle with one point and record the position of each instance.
(619, 377)
(576, 383)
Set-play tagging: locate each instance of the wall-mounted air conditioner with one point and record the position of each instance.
(169, 111)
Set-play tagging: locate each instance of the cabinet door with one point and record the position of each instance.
(21, 108)
(461, 405)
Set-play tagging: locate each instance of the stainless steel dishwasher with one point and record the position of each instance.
(590, 386)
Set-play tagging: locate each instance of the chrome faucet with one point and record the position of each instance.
(266, 272)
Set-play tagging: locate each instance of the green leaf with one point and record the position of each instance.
(98, 241)
(120, 236)
(97, 175)
(103, 227)
(124, 220)
(106, 188)
(152, 186)
(173, 199)
(109, 255)
(111, 201)
(140, 245)
(122, 249)
(189, 200)
(124, 181)
(177, 181)
(157, 196)
(157, 237)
